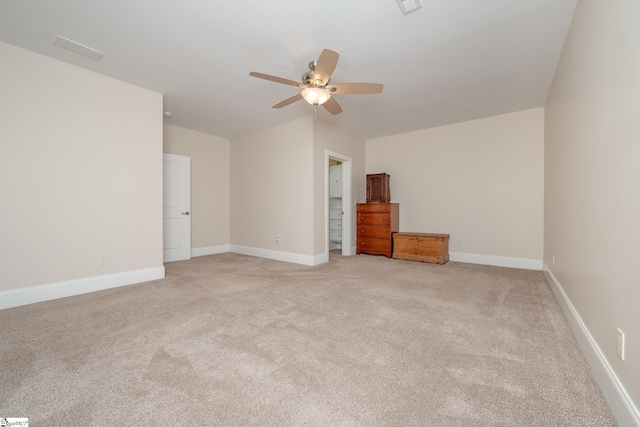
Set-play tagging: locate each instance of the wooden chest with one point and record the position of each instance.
(376, 224)
(433, 248)
(378, 190)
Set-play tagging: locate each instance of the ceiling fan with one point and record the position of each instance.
(315, 86)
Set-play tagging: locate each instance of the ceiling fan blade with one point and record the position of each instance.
(274, 79)
(355, 88)
(332, 106)
(288, 101)
(325, 66)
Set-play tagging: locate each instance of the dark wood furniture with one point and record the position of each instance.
(378, 188)
(433, 248)
(376, 224)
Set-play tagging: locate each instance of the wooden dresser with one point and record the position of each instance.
(376, 224)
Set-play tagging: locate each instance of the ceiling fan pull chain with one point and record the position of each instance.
(315, 117)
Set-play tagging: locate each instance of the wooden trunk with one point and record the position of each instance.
(433, 248)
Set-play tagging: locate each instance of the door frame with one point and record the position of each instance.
(347, 208)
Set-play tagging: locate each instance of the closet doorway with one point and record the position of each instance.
(339, 212)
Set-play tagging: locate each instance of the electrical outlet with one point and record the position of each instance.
(621, 344)
(278, 240)
(553, 260)
(103, 260)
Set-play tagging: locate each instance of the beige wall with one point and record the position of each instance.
(272, 189)
(480, 181)
(81, 173)
(328, 137)
(278, 181)
(210, 183)
(592, 179)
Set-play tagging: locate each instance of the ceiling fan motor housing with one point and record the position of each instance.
(306, 77)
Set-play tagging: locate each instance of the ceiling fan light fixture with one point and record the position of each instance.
(315, 95)
(315, 88)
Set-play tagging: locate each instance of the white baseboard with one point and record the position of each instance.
(309, 260)
(498, 261)
(33, 294)
(210, 250)
(621, 404)
(320, 259)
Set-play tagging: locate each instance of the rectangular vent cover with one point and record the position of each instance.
(77, 48)
(408, 6)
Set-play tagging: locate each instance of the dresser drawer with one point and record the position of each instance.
(374, 207)
(335, 236)
(374, 231)
(375, 245)
(373, 218)
(335, 225)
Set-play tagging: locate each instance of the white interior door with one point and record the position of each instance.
(176, 207)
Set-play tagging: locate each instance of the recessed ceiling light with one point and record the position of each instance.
(77, 48)
(408, 6)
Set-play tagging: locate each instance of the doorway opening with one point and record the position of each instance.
(335, 204)
(338, 207)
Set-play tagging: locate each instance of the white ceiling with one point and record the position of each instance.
(450, 61)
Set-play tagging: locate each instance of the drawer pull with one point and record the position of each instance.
(362, 218)
(384, 231)
(384, 218)
(384, 208)
(384, 245)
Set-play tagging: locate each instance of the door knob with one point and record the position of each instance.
(185, 213)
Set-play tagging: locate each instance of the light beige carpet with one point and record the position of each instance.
(234, 340)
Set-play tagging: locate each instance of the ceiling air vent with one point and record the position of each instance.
(408, 6)
(77, 48)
